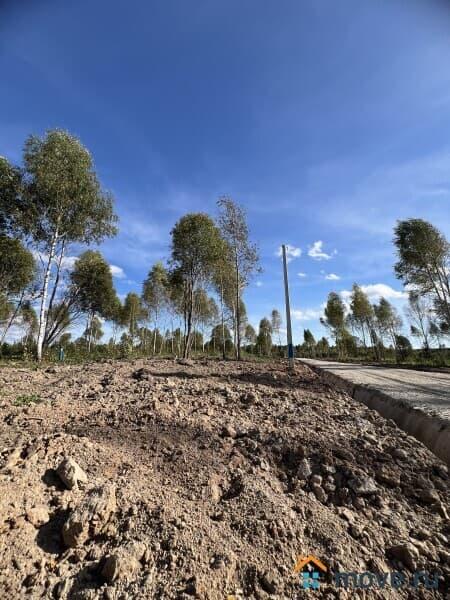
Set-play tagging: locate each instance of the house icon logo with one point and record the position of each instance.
(311, 569)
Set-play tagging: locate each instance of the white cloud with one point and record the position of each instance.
(307, 315)
(332, 277)
(117, 272)
(259, 283)
(301, 274)
(375, 291)
(68, 262)
(316, 251)
(291, 252)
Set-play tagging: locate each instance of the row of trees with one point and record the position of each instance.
(424, 267)
(54, 202)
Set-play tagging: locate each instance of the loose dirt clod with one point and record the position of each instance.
(71, 473)
(207, 479)
(90, 516)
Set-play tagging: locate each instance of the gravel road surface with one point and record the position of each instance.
(429, 392)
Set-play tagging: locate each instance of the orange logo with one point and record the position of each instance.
(302, 562)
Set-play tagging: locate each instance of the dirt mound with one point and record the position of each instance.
(207, 480)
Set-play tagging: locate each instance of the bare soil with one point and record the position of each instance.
(207, 480)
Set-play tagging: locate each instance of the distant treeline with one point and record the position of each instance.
(377, 331)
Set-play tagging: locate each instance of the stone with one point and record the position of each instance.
(90, 516)
(319, 493)
(71, 473)
(228, 431)
(120, 566)
(13, 459)
(215, 491)
(249, 398)
(440, 509)
(269, 583)
(346, 513)
(363, 486)
(38, 515)
(428, 495)
(406, 553)
(304, 469)
(400, 454)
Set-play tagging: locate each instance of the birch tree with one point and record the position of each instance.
(155, 295)
(424, 262)
(195, 250)
(245, 256)
(61, 203)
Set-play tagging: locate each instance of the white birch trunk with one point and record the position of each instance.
(43, 309)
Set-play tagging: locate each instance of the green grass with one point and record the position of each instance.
(26, 400)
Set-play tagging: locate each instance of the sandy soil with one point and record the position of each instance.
(207, 480)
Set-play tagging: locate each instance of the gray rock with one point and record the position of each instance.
(304, 469)
(400, 454)
(406, 553)
(319, 493)
(363, 486)
(428, 495)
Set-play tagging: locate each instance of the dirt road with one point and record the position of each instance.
(155, 479)
(429, 392)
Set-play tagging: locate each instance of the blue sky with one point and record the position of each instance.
(327, 120)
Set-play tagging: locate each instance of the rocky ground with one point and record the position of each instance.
(157, 479)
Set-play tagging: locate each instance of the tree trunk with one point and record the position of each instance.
(223, 322)
(89, 332)
(43, 309)
(187, 346)
(154, 333)
(238, 314)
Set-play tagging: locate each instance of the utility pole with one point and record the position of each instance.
(288, 311)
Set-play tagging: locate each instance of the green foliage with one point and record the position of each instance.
(403, 348)
(17, 266)
(10, 189)
(310, 342)
(250, 335)
(60, 202)
(244, 256)
(17, 274)
(27, 400)
(424, 262)
(92, 285)
(362, 314)
(62, 192)
(219, 336)
(323, 348)
(132, 314)
(388, 322)
(264, 338)
(196, 245)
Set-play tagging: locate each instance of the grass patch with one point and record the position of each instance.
(27, 400)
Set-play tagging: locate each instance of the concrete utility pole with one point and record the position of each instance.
(288, 311)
